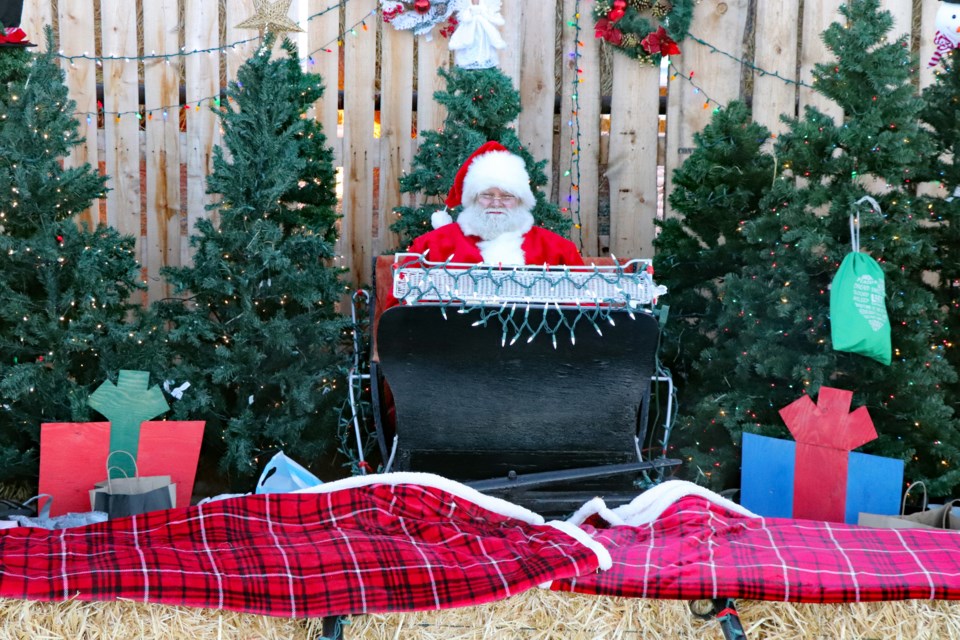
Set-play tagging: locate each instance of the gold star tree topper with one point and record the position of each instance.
(271, 16)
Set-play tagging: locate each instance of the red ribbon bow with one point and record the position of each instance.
(660, 42)
(12, 35)
(606, 31)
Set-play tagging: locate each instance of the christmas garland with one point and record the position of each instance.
(420, 16)
(643, 29)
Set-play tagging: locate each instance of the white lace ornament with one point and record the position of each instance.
(405, 15)
(477, 39)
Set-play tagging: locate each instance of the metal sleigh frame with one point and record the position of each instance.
(580, 367)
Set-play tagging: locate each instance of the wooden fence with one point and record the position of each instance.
(162, 62)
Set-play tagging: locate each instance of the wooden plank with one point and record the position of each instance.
(323, 33)
(927, 32)
(202, 71)
(36, 16)
(121, 123)
(358, 110)
(578, 165)
(632, 168)
(161, 80)
(241, 43)
(817, 16)
(902, 13)
(703, 77)
(775, 88)
(537, 83)
(514, 15)
(396, 127)
(77, 38)
(431, 55)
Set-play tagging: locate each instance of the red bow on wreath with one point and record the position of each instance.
(606, 30)
(390, 14)
(12, 35)
(659, 42)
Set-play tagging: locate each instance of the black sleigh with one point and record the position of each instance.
(537, 385)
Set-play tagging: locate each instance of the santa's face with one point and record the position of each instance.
(947, 21)
(494, 213)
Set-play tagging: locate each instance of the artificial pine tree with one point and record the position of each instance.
(942, 112)
(258, 336)
(480, 103)
(67, 323)
(716, 191)
(773, 334)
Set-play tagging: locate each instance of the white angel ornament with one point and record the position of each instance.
(476, 41)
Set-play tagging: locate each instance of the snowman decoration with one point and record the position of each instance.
(947, 22)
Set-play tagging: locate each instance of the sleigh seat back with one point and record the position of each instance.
(547, 421)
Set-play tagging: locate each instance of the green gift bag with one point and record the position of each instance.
(858, 310)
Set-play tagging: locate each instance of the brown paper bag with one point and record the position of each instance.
(941, 517)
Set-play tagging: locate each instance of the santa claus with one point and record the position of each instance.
(496, 223)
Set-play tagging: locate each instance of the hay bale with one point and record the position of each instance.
(122, 620)
(540, 615)
(535, 615)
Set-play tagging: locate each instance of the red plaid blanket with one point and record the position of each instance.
(401, 542)
(678, 542)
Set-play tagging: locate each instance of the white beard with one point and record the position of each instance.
(491, 222)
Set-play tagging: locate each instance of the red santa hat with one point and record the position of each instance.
(491, 165)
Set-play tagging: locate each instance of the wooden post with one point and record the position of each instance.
(201, 29)
(121, 123)
(705, 79)
(77, 39)
(358, 144)
(536, 83)
(396, 129)
(578, 166)
(161, 81)
(632, 164)
(776, 51)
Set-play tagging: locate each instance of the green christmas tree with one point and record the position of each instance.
(716, 191)
(67, 322)
(773, 335)
(942, 112)
(480, 103)
(258, 336)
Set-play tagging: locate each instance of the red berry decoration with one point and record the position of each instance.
(619, 8)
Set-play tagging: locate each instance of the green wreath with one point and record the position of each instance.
(643, 29)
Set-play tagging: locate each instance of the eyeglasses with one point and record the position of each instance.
(506, 200)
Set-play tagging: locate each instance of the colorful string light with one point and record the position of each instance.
(141, 112)
(573, 171)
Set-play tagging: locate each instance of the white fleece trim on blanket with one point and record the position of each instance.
(651, 504)
(489, 503)
(584, 538)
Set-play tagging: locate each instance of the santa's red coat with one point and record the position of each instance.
(539, 246)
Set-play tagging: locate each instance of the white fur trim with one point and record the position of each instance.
(489, 503)
(504, 249)
(440, 218)
(581, 536)
(500, 169)
(651, 504)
